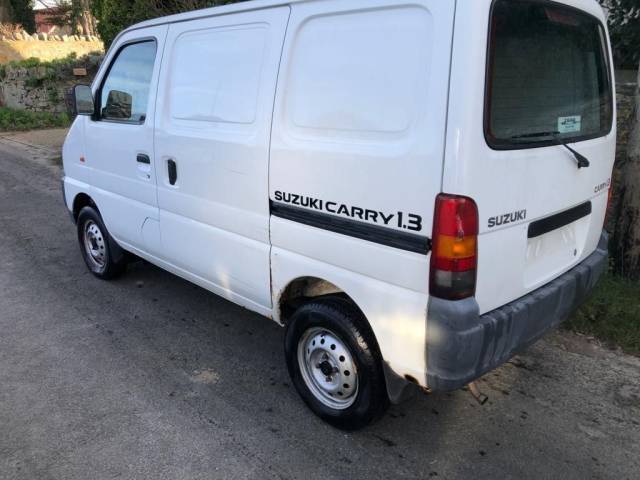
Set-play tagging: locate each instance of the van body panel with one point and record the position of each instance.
(124, 189)
(219, 290)
(214, 122)
(398, 267)
(73, 149)
(361, 104)
(515, 187)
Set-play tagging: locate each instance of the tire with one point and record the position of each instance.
(102, 255)
(340, 376)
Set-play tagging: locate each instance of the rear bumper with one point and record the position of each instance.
(464, 345)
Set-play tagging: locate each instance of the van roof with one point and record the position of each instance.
(592, 6)
(213, 11)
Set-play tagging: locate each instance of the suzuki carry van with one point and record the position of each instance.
(415, 189)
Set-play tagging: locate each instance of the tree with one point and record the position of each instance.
(75, 14)
(626, 240)
(115, 15)
(81, 13)
(623, 17)
(624, 28)
(6, 12)
(23, 14)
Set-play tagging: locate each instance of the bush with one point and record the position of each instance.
(16, 120)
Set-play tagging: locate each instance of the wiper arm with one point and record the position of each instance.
(583, 162)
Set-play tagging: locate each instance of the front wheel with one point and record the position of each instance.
(104, 258)
(334, 363)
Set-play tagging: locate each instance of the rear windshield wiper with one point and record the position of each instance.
(583, 162)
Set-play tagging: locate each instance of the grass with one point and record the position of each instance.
(612, 314)
(17, 120)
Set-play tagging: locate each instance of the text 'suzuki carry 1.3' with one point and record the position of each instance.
(415, 189)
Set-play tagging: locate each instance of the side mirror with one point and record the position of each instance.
(82, 100)
(118, 107)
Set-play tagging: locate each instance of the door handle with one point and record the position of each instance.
(173, 171)
(142, 158)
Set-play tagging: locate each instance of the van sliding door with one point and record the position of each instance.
(213, 129)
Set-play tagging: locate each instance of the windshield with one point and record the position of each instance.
(548, 77)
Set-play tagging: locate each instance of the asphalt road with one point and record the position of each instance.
(152, 377)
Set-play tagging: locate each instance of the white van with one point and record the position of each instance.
(415, 189)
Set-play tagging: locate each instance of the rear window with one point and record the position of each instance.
(548, 76)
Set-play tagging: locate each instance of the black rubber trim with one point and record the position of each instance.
(549, 224)
(353, 228)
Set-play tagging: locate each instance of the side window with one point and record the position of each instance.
(124, 95)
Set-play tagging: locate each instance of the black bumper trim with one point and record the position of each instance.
(463, 345)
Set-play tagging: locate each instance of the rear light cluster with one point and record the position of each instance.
(454, 257)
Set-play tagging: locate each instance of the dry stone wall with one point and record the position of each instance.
(43, 88)
(21, 45)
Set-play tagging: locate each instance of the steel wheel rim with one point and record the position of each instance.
(328, 368)
(95, 245)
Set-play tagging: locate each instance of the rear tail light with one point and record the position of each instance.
(454, 257)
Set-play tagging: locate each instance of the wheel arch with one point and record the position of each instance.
(80, 201)
(303, 289)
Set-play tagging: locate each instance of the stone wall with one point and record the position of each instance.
(43, 88)
(44, 47)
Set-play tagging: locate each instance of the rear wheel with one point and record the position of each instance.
(104, 258)
(334, 363)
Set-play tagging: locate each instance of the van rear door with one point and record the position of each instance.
(537, 149)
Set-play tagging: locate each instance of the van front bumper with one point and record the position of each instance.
(464, 345)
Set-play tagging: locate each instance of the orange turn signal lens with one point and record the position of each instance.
(454, 247)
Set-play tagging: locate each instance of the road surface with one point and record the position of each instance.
(152, 377)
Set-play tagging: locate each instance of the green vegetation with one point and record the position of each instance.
(50, 66)
(624, 27)
(23, 14)
(32, 62)
(14, 120)
(115, 15)
(612, 314)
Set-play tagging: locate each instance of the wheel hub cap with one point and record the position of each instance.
(94, 244)
(328, 368)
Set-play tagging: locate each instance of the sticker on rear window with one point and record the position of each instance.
(570, 124)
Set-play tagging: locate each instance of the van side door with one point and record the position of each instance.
(119, 137)
(213, 130)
